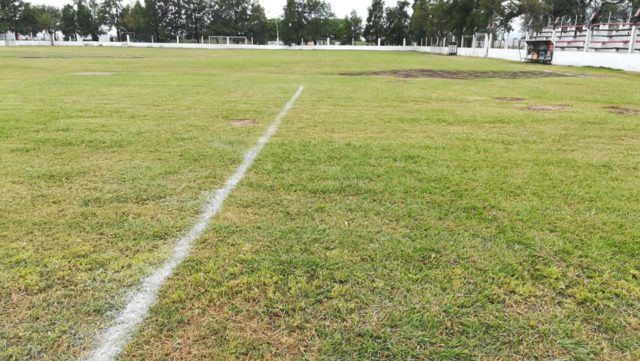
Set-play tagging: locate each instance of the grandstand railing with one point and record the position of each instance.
(600, 37)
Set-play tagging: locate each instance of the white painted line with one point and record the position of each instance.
(115, 338)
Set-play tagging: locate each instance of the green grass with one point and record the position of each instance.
(387, 219)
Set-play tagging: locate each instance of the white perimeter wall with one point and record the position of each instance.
(621, 61)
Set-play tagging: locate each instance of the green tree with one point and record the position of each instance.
(230, 17)
(338, 29)
(86, 20)
(437, 25)
(10, 12)
(294, 21)
(397, 23)
(374, 29)
(533, 14)
(134, 20)
(460, 17)
(354, 27)
(257, 26)
(48, 19)
(68, 23)
(196, 18)
(173, 20)
(156, 13)
(28, 20)
(317, 15)
(419, 21)
(273, 28)
(109, 15)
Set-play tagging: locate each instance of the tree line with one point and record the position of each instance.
(158, 20)
(302, 21)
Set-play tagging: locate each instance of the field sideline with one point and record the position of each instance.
(389, 217)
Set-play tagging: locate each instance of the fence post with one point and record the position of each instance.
(227, 40)
(404, 41)
(487, 43)
(378, 41)
(587, 40)
(632, 38)
(128, 39)
(473, 41)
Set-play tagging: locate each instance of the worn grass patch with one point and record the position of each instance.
(387, 219)
(458, 75)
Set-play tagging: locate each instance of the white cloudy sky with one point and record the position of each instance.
(273, 7)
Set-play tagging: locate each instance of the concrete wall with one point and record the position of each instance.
(621, 61)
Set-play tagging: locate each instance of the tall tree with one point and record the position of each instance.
(28, 20)
(438, 19)
(68, 23)
(230, 17)
(257, 26)
(375, 27)
(109, 15)
(339, 29)
(317, 15)
(354, 27)
(174, 22)
(134, 20)
(397, 23)
(156, 13)
(419, 20)
(533, 14)
(86, 19)
(10, 12)
(49, 19)
(294, 22)
(462, 16)
(196, 18)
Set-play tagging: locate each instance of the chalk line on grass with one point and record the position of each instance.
(115, 338)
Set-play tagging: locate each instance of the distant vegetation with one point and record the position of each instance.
(302, 20)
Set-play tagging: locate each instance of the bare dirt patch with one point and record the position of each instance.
(457, 75)
(510, 99)
(93, 73)
(547, 108)
(76, 57)
(623, 110)
(243, 122)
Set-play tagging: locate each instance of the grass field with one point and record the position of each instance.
(388, 218)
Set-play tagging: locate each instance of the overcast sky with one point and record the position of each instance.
(273, 7)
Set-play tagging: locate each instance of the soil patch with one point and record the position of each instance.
(93, 73)
(547, 108)
(510, 99)
(77, 57)
(458, 75)
(622, 110)
(243, 122)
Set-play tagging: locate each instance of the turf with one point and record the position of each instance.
(388, 219)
